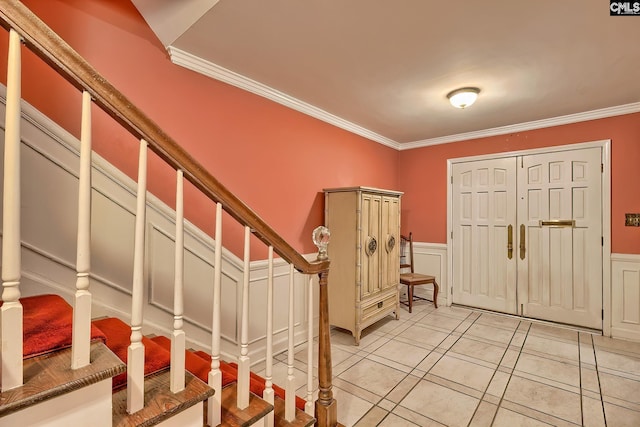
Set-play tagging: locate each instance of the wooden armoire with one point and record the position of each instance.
(364, 253)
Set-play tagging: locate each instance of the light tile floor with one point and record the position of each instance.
(459, 367)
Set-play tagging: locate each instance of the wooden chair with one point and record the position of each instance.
(412, 278)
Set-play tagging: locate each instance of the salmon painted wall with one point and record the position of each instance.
(275, 159)
(423, 174)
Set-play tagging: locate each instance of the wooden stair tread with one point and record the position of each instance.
(234, 417)
(159, 402)
(50, 376)
(302, 419)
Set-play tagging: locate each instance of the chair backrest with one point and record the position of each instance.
(406, 252)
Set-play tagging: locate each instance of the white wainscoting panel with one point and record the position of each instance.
(625, 296)
(430, 258)
(49, 227)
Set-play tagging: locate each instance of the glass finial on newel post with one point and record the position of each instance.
(321, 236)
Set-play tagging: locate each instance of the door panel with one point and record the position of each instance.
(560, 278)
(483, 194)
(558, 274)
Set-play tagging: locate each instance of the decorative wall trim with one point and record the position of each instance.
(602, 113)
(49, 217)
(625, 296)
(431, 258)
(192, 62)
(622, 312)
(633, 258)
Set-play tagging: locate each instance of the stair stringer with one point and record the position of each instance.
(54, 395)
(71, 409)
(51, 158)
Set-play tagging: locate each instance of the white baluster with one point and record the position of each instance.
(244, 365)
(135, 353)
(11, 246)
(268, 394)
(178, 335)
(215, 375)
(309, 406)
(81, 335)
(290, 388)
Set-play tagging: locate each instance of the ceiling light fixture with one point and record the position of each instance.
(464, 97)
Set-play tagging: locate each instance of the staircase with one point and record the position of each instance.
(62, 367)
(47, 331)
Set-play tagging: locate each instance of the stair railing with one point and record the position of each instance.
(12, 374)
(24, 27)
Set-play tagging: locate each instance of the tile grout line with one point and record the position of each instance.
(466, 323)
(441, 356)
(396, 404)
(413, 323)
(595, 359)
(580, 378)
(375, 405)
(494, 374)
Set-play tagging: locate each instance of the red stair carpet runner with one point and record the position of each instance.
(118, 335)
(198, 366)
(47, 321)
(47, 328)
(203, 365)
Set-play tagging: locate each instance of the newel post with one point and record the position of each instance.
(326, 412)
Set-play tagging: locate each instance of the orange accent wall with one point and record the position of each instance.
(275, 159)
(423, 174)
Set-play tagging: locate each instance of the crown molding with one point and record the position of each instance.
(521, 127)
(194, 63)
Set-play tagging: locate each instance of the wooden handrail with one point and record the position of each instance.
(52, 49)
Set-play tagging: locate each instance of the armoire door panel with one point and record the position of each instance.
(365, 262)
(371, 211)
(389, 242)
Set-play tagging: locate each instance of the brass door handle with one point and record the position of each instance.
(523, 246)
(558, 223)
(510, 241)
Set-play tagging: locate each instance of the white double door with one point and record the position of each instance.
(527, 235)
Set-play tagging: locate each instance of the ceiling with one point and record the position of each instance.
(382, 69)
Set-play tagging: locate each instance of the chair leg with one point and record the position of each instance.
(435, 294)
(410, 295)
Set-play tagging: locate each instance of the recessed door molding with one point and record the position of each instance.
(605, 146)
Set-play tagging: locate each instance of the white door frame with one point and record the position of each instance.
(605, 145)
